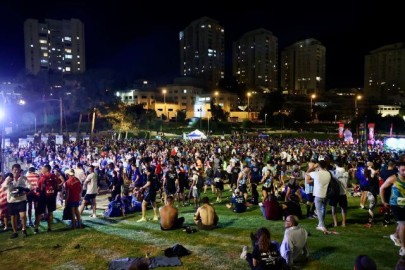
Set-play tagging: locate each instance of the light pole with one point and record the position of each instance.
(356, 109)
(200, 110)
(313, 96)
(265, 121)
(248, 95)
(164, 101)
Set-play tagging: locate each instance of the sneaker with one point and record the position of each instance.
(24, 233)
(244, 252)
(141, 220)
(402, 252)
(14, 235)
(395, 240)
(93, 216)
(155, 218)
(319, 228)
(36, 231)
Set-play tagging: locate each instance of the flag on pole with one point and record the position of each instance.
(341, 128)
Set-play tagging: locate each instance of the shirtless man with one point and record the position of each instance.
(206, 218)
(169, 219)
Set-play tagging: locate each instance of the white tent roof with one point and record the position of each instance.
(196, 135)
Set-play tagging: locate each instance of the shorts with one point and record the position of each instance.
(32, 197)
(364, 187)
(398, 212)
(46, 203)
(16, 208)
(73, 204)
(149, 197)
(243, 188)
(341, 200)
(196, 192)
(89, 197)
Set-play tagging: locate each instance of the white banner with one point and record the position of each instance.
(72, 138)
(7, 142)
(30, 138)
(22, 142)
(44, 138)
(59, 139)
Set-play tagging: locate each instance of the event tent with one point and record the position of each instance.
(196, 135)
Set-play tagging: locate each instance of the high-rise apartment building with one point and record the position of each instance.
(384, 71)
(255, 60)
(303, 67)
(54, 45)
(202, 49)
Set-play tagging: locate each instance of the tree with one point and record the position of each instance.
(274, 103)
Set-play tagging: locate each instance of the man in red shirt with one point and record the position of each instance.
(73, 189)
(48, 188)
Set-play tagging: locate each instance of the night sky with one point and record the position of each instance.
(141, 38)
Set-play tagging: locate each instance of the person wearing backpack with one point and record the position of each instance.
(342, 177)
(320, 176)
(47, 189)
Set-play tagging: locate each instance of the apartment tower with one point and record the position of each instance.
(54, 45)
(255, 60)
(202, 52)
(384, 72)
(303, 68)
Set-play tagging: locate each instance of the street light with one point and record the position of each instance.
(356, 109)
(313, 96)
(248, 95)
(200, 110)
(265, 121)
(216, 97)
(164, 100)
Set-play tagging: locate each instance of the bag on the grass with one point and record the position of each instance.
(176, 250)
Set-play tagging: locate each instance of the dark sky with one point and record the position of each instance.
(141, 37)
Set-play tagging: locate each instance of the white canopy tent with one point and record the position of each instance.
(195, 135)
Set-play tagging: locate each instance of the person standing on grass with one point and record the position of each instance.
(149, 195)
(48, 189)
(17, 187)
(320, 176)
(396, 203)
(91, 192)
(32, 196)
(343, 177)
(73, 189)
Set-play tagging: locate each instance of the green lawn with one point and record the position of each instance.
(105, 239)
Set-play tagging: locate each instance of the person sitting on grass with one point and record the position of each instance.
(169, 219)
(294, 245)
(270, 208)
(206, 218)
(115, 208)
(266, 254)
(292, 207)
(238, 202)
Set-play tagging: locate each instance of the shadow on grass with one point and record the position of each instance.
(322, 253)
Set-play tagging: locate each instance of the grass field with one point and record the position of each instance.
(103, 240)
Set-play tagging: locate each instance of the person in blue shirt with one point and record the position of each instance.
(115, 208)
(238, 202)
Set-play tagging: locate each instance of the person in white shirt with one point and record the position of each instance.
(91, 192)
(294, 246)
(321, 178)
(342, 176)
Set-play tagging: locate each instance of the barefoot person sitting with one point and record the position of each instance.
(169, 219)
(206, 218)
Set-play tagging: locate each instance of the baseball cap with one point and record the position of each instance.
(70, 172)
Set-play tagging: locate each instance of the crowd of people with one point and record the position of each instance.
(289, 172)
